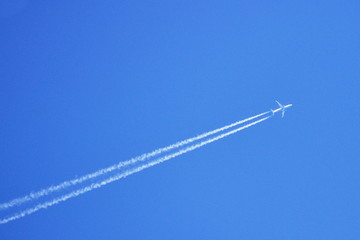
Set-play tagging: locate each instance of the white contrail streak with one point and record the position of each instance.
(63, 185)
(123, 175)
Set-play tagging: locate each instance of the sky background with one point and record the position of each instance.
(86, 84)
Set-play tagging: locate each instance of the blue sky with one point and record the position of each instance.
(87, 84)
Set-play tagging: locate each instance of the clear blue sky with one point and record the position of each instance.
(85, 84)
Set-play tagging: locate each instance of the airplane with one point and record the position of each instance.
(282, 109)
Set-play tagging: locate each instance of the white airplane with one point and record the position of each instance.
(282, 108)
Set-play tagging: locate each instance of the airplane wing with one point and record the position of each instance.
(279, 104)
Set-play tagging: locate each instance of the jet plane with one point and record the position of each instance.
(282, 108)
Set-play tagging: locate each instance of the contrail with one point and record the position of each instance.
(65, 184)
(123, 175)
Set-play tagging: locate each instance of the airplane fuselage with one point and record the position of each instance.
(281, 108)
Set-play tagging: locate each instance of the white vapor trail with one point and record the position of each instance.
(65, 184)
(123, 175)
